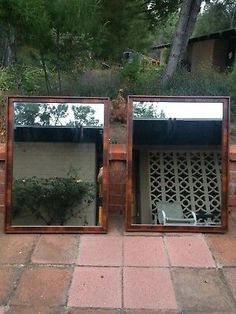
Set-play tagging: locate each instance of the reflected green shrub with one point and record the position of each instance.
(52, 200)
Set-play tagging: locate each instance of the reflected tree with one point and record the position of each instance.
(84, 115)
(27, 114)
(147, 110)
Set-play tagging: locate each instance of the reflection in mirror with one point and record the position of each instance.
(57, 154)
(176, 163)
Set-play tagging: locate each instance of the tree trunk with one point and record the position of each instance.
(187, 18)
(58, 62)
(47, 82)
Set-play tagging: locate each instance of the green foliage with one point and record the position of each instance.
(51, 200)
(33, 114)
(217, 16)
(131, 70)
(147, 110)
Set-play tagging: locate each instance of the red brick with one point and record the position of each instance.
(16, 249)
(232, 165)
(232, 176)
(2, 189)
(43, 286)
(8, 278)
(116, 188)
(116, 199)
(232, 200)
(232, 188)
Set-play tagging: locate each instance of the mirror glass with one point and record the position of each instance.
(57, 156)
(176, 163)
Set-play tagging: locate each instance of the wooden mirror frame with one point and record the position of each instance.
(9, 228)
(225, 167)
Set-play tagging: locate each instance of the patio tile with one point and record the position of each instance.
(8, 278)
(56, 249)
(230, 276)
(133, 311)
(96, 287)
(16, 309)
(43, 286)
(100, 251)
(144, 251)
(16, 249)
(200, 290)
(223, 250)
(147, 288)
(189, 251)
(94, 311)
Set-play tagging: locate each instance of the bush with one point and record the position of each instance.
(51, 200)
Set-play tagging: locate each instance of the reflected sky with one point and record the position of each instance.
(178, 110)
(59, 114)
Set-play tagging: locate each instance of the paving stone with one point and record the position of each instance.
(56, 249)
(200, 290)
(16, 249)
(189, 251)
(43, 286)
(223, 250)
(148, 288)
(230, 276)
(133, 311)
(144, 251)
(16, 309)
(96, 287)
(100, 251)
(8, 278)
(94, 311)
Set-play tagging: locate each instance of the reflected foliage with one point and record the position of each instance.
(147, 110)
(52, 200)
(54, 115)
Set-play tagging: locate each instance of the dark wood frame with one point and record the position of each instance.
(9, 228)
(225, 166)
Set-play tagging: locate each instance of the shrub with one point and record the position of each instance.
(51, 200)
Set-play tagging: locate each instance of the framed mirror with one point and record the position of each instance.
(177, 173)
(57, 165)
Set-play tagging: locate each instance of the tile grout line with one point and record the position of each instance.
(74, 265)
(170, 267)
(21, 271)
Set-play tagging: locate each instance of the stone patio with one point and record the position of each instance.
(118, 273)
